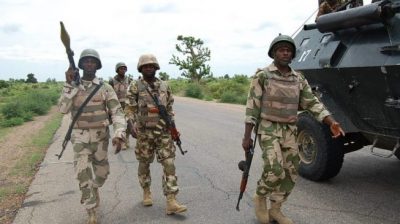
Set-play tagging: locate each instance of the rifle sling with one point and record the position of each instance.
(156, 102)
(79, 112)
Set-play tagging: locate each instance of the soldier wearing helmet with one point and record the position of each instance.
(120, 83)
(90, 133)
(153, 137)
(326, 7)
(276, 92)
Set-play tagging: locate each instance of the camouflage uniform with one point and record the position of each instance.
(120, 87)
(90, 135)
(277, 129)
(152, 137)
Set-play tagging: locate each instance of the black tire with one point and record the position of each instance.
(321, 156)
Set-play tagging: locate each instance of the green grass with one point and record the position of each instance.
(44, 137)
(5, 191)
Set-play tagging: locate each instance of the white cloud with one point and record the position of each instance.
(238, 33)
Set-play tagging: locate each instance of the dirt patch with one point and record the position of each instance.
(12, 147)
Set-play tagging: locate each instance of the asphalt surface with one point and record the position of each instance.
(367, 190)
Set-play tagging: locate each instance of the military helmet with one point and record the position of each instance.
(146, 59)
(281, 38)
(89, 53)
(120, 64)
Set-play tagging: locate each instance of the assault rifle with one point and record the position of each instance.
(169, 123)
(67, 44)
(244, 165)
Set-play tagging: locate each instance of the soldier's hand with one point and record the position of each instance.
(336, 129)
(132, 128)
(117, 142)
(175, 134)
(69, 75)
(247, 143)
(334, 126)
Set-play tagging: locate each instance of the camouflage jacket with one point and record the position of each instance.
(110, 100)
(120, 86)
(137, 98)
(307, 101)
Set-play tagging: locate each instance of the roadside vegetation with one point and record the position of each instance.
(198, 82)
(20, 102)
(223, 89)
(26, 130)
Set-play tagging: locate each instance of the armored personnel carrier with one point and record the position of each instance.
(351, 58)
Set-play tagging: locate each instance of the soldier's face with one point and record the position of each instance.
(148, 71)
(89, 65)
(122, 70)
(283, 55)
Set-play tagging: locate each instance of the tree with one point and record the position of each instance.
(31, 78)
(50, 80)
(196, 56)
(4, 84)
(163, 76)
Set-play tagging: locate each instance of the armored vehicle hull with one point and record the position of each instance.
(351, 59)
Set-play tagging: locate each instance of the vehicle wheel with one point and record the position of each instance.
(321, 156)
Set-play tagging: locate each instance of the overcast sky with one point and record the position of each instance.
(238, 33)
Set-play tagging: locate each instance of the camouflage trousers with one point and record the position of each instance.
(127, 131)
(281, 162)
(90, 162)
(149, 145)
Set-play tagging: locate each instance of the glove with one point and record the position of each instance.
(175, 134)
(117, 142)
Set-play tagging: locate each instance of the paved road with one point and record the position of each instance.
(366, 191)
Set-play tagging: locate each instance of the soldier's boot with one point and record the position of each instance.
(92, 216)
(147, 200)
(96, 191)
(276, 214)
(260, 206)
(173, 206)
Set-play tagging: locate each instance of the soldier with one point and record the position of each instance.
(357, 3)
(326, 7)
(120, 83)
(276, 92)
(90, 134)
(152, 136)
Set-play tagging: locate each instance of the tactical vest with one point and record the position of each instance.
(148, 115)
(94, 114)
(280, 99)
(120, 88)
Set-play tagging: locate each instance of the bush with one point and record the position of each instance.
(24, 101)
(4, 84)
(12, 122)
(178, 86)
(12, 109)
(194, 91)
(228, 90)
(231, 97)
